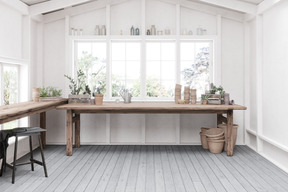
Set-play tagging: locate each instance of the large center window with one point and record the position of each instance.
(149, 69)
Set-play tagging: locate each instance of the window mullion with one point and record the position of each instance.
(143, 70)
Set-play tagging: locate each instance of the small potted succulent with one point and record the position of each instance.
(204, 99)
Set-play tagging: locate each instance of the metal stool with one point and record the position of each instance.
(24, 131)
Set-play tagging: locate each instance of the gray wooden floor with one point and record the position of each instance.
(148, 168)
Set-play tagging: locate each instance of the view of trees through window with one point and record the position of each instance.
(160, 74)
(196, 67)
(9, 89)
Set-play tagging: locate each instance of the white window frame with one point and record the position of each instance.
(143, 40)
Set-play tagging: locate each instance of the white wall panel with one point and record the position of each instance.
(253, 75)
(10, 33)
(190, 126)
(275, 70)
(161, 128)
(54, 54)
(125, 128)
(190, 21)
(88, 21)
(124, 15)
(233, 67)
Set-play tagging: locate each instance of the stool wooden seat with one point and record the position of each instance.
(24, 131)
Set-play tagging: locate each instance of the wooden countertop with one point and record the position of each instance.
(149, 107)
(23, 109)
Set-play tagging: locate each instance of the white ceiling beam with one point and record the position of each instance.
(234, 5)
(53, 5)
(266, 5)
(213, 10)
(77, 10)
(17, 5)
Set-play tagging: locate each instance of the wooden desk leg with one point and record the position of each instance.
(43, 126)
(77, 130)
(230, 149)
(69, 130)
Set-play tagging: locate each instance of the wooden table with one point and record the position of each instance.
(24, 109)
(74, 111)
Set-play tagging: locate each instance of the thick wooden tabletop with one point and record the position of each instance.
(149, 107)
(23, 109)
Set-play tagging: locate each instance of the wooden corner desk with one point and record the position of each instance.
(74, 111)
(19, 110)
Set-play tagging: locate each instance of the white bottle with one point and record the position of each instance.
(153, 30)
(103, 30)
(97, 30)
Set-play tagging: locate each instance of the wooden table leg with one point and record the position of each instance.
(77, 130)
(43, 126)
(230, 149)
(69, 130)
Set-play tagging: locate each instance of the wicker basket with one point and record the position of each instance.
(234, 132)
(215, 146)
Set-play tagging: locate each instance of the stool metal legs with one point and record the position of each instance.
(32, 160)
(31, 153)
(42, 155)
(14, 160)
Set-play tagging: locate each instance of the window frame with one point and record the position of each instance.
(215, 71)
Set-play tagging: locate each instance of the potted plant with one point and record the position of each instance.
(98, 96)
(79, 86)
(50, 93)
(204, 99)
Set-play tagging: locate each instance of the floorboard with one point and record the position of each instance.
(147, 168)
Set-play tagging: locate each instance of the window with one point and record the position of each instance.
(160, 69)
(148, 68)
(9, 88)
(91, 59)
(196, 65)
(125, 65)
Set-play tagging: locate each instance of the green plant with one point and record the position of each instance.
(76, 86)
(215, 89)
(205, 97)
(50, 92)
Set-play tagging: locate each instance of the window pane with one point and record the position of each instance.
(160, 69)
(91, 59)
(195, 69)
(168, 70)
(10, 85)
(118, 69)
(153, 51)
(118, 51)
(132, 51)
(153, 69)
(133, 69)
(126, 67)
(187, 51)
(168, 51)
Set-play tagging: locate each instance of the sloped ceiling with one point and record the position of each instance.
(38, 2)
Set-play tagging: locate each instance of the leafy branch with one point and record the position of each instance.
(76, 86)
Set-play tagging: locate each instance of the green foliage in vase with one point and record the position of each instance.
(78, 85)
(50, 92)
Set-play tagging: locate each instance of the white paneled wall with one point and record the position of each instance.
(267, 133)
(143, 128)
